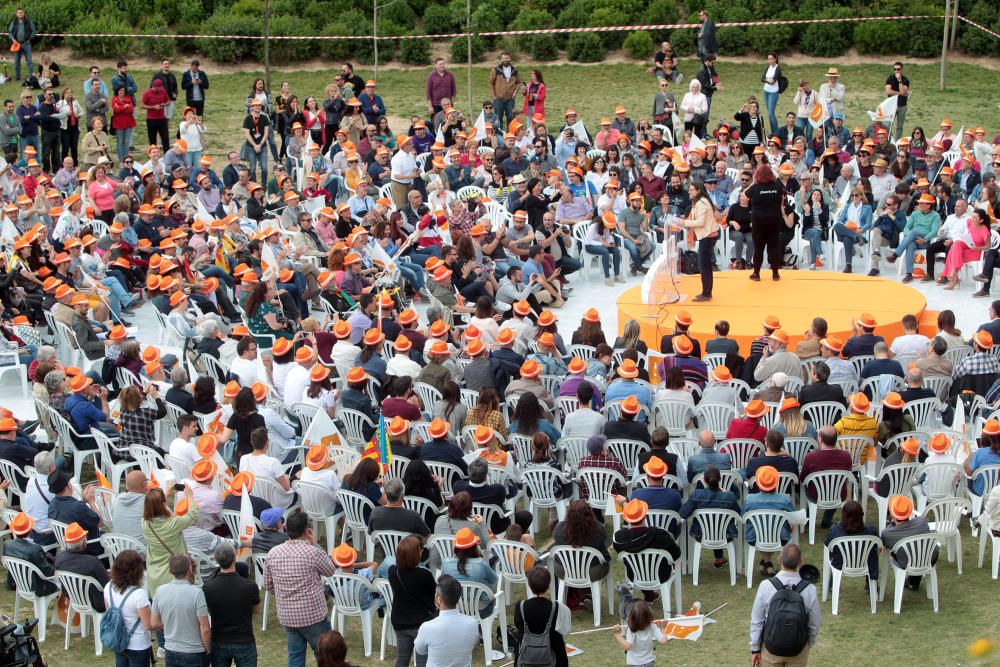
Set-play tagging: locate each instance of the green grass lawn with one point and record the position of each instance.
(969, 610)
(594, 91)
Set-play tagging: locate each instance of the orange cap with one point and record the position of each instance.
(506, 337)
(74, 533)
(939, 444)
(592, 315)
(242, 481)
(483, 435)
(991, 427)
(259, 390)
(522, 308)
(232, 388)
(682, 344)
(440, 348)
(319, 373)
(833, 343)
(867, 320)
(356, 375)
(912, 447)
(21, 524)
(683, 318)
(772, 323)
(204, 470)
(628, 369)
(722, 374)
(305, 354)
(576, 365)
(398, 426)
(893, 400)
(779, 336)
(281, 347)
(984, 339)
(207, 445)
(475, 347)
(402, 344)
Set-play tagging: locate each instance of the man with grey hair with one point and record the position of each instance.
(232, 601)
(45, 353)
(36, 498)
(787, 578)
(935, 363)
(481, 491)
(180, 612)
(915, 389)
(393, 516)
(54, 394)
(74, 558)
(214, 342)
(178, 393)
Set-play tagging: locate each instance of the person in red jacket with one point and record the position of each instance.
(749, 426)
(154, 102)
(122, 121)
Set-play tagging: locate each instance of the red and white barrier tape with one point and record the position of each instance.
(502, 33)
(984, 29)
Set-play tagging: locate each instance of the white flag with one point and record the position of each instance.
(885, 111)
(695, 143)
(247, 525)
(818, 115)
(322, 431)
(439, 137)
(580, 131)
(268, 263)
(480, 125)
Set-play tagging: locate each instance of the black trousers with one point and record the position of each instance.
(158, 128)
(51, 158)
(706, 253)
(989, 264)
(769, 237)
(69, 138)
(199, 107)
(934, 248)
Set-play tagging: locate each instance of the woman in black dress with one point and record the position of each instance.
(766, 200)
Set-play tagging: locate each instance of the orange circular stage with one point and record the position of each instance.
(796, 299)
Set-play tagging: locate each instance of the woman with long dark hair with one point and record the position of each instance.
(468, 564)
(702, 221)
(450, 406)
(365, 480)
(331, 650)
(590, 331)
(413, 589)
(243, 421)
(852, 522)
(529, 418)
(766, 200)
(418, 481)
(581, 528)
(262, 312)
(126, 593)
(894, 420)
(534, 95)
(486, 412)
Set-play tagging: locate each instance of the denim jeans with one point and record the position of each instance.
(848, 237)
(806, 127)
(815, 238)
(633, 251)
(299, 637)
(706, 253)
(23, 52)
(908, 244)
(504, 109)
(568, 265)
(412, 273)
(253, 159)
(133, 658)
(175, 659)
(220, 273)
(404, 648)
(771, 102)
(606, 254)
(123, 141)
(34, 140)
(225, 654)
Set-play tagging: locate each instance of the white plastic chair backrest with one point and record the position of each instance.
(420, 505)
(767, 525)
(346, 589)
(11, 472)
(148, 459)
(627, 451)
(729, 480)
(105, 500)
(900, 478)
(566, 405)
(304, 412)
(511, 559)
(428, 394)
(922, 410)
(442, 545)
(715, 416)
(956, 354)
(126, 378)
(574, 449)
(855, 550)
(585, 352)
(115, 543)
(600, 482)
(798, 447)
(829, 485)
(645, 566)
(794, 385)
(542, 482)
(683, 448)
(522, 447)
(895, 441)
(576, 562)
(180, 467)
(942, 480)
(855, 445)
(741, 450)
(355, 423)
(945, 514)
(859, 362)
(713, 360)
(388, 540)
(823, 413)
(23, 573)
(468, 397)
(473, 592)
(269, 490)
(314, 499)
(354, 505)
(344, 459)
(59, 532)
(448, 473)
(384, 589)
(714, 524)
(673, 415)
(668, 520)
(990, 476)
(204, 565)
(232, 520)
(259, 560)
(398, 467)
(919, 550)
(77, 587)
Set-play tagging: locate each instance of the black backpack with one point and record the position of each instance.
(786, 628)
(536, 649)
(782, 84)
(689, 263)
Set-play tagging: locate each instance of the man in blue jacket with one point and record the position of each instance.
(372, 105)
(195, 83)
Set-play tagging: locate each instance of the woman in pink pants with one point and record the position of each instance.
(961, 252)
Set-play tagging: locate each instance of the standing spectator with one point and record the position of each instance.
(195, 83)
(534, 96)
(164, 535)
(232, 601)
(49, 121)
(122, 79)
(122, 121)
(504, 84)
(831, 94)
(169, 81)
(788, 577)
(181, 614)
(294, 572)
(707, 41)
(10, 128)
(771, 79)
(450, 638)
(21, 31)
(539, 612)
(256, 128)
(73, 113)
(413, 590)
(29, 116)
(440, 85)
(898, 86)
(154, 103)
(709, 79)
(126, 593)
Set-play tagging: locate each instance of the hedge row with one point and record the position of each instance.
(917, 38)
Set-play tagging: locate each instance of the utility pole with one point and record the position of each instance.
(468, 35)
(954, 24)
(944, 40)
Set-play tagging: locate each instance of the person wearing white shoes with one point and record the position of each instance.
(602, 241)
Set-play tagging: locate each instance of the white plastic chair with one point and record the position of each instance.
(510, 561)
(856, 446)
(316, 500)
(767, 525)
(919, 551)
(232, 520)
(986, 534)
(115, 543)
(388, 636)
(823, 413)
(585, 352)
(448, 473)
(991, 477)
(714, 525)
(924, 412)
(741, 451)
(68, 438)
(469, 604)
(421, 506)
(798, 447)
(386, 540)
(258, 561)
(109, 467)
(600, 482)
(573, 449)
(854, 551)
(673, 415)
(23, 573)
(304, 412)
(11, 361)
(939, 480)
(541, 483)
(346, 592)
(576, 563)
(715, 417)
(627, 451)
(828, 485)
(354, 506)
(355, 423)
(945, 518)
(428, 394)
(645, 567)
(77, 587)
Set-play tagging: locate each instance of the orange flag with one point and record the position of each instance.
(103, 481)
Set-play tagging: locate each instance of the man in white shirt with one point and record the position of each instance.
(882, 181)
(401, 365)
(403, 170)
(344, 353)
(182, 447)
(911, 342)
(283, 440)
(297, 380)
(449, 639)
(584, 421)
(245, 366)
(36, 499)
(954, 228)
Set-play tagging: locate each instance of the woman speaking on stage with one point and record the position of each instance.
(706, 230)
(766, 199)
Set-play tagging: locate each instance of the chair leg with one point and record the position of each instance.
(69, 628)
(732, 563)
(595, 594)
(751, 552)
(98, 644)
(696, 557)
(837, 579)
(486, 627)
(813, 511)
(366, 630)
(897, 599)
(982, 549)
(932, 588)
(958, 551)
(871, 593)
(995, 557)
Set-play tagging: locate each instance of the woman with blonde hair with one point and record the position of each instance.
(94, 144)
(101, 191)
(630, 339)
(791, 423)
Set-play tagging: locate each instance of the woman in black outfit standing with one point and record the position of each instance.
(766, 199)
(413, 597)
(539, 611)
(752, 132)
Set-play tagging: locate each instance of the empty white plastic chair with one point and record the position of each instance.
(823, 413)
(945, 518)
(715, 417)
